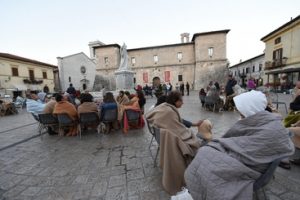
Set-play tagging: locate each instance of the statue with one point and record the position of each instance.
(124, 58)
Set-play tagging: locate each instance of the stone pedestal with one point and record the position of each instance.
(124, 79)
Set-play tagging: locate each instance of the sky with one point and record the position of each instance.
(46, 29)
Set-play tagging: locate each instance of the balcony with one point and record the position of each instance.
(277, 63)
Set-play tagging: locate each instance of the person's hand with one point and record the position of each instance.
(199, 122)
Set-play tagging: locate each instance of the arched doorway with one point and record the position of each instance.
(84, 86)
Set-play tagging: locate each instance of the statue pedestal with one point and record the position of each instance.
(124, 79)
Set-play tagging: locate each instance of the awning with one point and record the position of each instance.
(284, 71)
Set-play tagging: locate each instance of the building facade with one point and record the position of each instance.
(282, 55)
(18, 74)
(253, 67)
(77, 69)
(197, 61)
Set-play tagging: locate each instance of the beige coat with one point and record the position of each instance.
(87, 107)
(178, 145)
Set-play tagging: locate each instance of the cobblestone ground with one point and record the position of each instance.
(114, 166)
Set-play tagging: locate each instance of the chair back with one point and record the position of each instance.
(47, 118)
(265, 178)
(132, 115)
(64, 119)
(110, 115)
(89, 118)
(35, 117)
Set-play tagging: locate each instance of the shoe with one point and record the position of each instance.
(295, 161)
(285, 165)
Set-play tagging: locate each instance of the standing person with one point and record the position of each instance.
(182, 89)
(187, 86)
(46, 89)
(229, 91)
(251, 84)
(71, 90)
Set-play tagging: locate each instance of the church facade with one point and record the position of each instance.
(198, 61)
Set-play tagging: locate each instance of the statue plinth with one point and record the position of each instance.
(124, 79)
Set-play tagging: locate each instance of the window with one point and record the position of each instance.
(210, 52)
(278, 40)
(234, 73)
(260, 67)
(277, 54)
(155, 58)
(44, 75)
(132, 60)
(31, 74)
(70, 80)
(145, 77)
(179, 77)
(106, 60)
(179, 56)
(247, 70)
(15, 71)
(253, 68)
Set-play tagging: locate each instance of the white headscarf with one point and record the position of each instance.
(250, 103)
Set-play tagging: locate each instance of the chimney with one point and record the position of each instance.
(185, 37)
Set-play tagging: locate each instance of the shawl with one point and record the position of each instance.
(49, 107)
(178, 145)
(66, 107)
(87, 107)
(230, 165)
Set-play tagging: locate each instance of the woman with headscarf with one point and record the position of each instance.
(226, 168)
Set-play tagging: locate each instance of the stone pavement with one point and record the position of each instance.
(114, 166)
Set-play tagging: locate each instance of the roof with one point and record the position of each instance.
(281, 27)
(108, 45)
(161, 46)
(247, 60)
(210, 33)
(19, 58)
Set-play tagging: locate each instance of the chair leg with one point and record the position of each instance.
(79, 131)
(151, 141)
(286, 110)
(156, 157)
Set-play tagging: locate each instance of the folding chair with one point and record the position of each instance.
(110, 115)
(265, 178)
(132, 115)
(65, 121)
(274, 98)
(88, 119)
(47, 120)
(157, 138)
(151, 130)
(38, 120)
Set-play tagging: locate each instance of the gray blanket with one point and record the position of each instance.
(227, 168)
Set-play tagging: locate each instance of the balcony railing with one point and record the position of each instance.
(275, 63)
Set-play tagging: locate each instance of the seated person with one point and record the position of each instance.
(233, 162)
(295, 129)
(87, 104)
(142, 100)
(33, 104)
(204, 126)
(109, 102)
(48, 109)
(214, 94)
(294, 114)
(63, 106)
(42, 97)
(122, 98)
(178, 144)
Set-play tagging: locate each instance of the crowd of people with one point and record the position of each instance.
(211, 168)
(73, 104)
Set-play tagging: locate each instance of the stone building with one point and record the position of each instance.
(77, 69)
(197, 61)
(17, 74)
(282, 55)
(253, 67)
